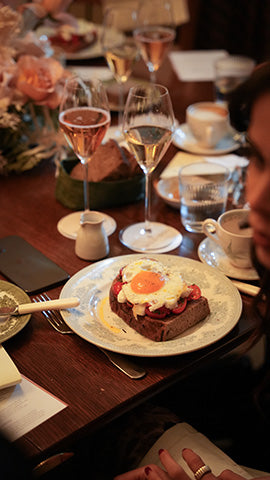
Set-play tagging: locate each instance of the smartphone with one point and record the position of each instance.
(27, 267)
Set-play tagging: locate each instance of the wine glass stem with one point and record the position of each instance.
(153, 77)
(86, 187)
(147, 224)
(121, 105)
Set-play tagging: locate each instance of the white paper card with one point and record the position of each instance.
(230, 161)
(182, 435)
(9, 374)
(24, 407)
(196, 65)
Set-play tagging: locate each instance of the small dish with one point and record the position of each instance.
(211, 254)
(168, 190)
(183, 138)
(11, 295)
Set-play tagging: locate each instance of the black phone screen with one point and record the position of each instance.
(27, 267)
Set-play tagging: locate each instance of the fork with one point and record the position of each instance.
(123, 363)
(53, 317)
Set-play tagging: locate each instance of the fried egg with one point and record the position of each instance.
(149, 282)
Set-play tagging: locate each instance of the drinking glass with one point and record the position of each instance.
(148, 124)
(155, 33)
(84, 118)
(119, 48)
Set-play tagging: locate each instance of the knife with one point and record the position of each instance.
(124, 364)
(246, 288)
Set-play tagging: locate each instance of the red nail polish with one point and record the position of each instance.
(147, 470)
(160, 451)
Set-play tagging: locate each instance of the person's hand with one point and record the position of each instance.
(173, 471)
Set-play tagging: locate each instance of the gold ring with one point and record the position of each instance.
(202, 471)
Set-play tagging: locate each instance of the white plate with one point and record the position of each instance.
(168, 190)
(211, 254)
(94, 321)
(183, 138)
(93, 51)
(68, 226)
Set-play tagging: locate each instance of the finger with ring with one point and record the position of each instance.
(201, 472)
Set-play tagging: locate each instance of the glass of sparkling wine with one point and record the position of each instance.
(84, 118)
(148, 125)
(119, 47)
(155, 33)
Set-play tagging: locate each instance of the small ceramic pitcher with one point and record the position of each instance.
(92, 241)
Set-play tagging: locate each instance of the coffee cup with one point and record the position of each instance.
(229, 234)
(208, 122)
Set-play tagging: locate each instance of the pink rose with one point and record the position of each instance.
(41, 79)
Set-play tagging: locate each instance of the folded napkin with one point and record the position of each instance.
(230, 161)
(86, 73)
(182, 435)
(9, 374)
(195, 65)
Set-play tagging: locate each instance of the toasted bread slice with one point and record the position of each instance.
(164, 329)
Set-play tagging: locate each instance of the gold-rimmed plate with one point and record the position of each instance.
(10, 296)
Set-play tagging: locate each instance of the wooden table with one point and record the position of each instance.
(68, 366)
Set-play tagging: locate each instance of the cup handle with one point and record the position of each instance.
(209, 228)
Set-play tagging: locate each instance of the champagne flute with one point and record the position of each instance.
(84, 118)
(148, 124)
(155, 33)
(119, 48)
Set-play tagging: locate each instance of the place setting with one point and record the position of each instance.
(96, 322)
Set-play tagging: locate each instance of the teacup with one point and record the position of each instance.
(208, 122)
(228, 234)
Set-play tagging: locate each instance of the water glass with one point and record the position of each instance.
(203, 191)
(230, 71)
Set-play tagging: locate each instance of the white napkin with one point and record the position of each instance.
(195, 65)
(86, 73)
(230, 161)
(182, 435)
(9, 374)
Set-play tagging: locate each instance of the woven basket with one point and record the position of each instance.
(69, 191)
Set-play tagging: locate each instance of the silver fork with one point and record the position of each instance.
(122, 362)
(53, 317)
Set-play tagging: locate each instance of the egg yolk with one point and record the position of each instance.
(147, 282)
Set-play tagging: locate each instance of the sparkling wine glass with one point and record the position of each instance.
(148, 124)
(155, 33)
(120, 48)
(84, 118)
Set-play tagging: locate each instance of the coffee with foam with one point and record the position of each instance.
(208, 122)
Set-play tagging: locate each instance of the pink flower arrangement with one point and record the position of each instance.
(31, 86)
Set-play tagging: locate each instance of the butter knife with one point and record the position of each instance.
(124, 364)
(246, 288)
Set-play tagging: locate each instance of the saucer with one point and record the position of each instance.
(183, 138)
(210, 253)
(68, 226)
(168, 190)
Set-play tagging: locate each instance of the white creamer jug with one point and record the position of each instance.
(92, 241)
